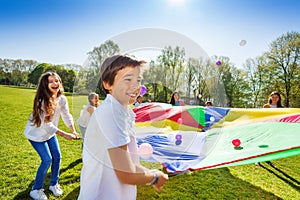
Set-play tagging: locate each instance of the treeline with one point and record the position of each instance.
(200, 79)
(197, 79)
(27, 72)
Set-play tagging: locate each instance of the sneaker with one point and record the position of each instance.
(38, 194)
(56, 190)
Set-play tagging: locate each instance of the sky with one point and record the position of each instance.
(64, 31)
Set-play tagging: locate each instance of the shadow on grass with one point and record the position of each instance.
(206, 184)
(72, 194)
(24, 195)
(286, 178)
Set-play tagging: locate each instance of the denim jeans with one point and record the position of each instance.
(49, 153)
(82, 130)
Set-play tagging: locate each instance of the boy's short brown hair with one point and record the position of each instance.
(113, 64)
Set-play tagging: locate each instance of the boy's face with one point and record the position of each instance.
(126, 86)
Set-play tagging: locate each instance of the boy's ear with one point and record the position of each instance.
(106, 85)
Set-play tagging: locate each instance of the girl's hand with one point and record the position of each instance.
(75, 134)
(69, 136)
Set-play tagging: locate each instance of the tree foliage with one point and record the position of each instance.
(68, 76)
(196, 80)
(89, 75)
(284, 56)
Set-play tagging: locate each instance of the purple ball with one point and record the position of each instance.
(143, 90)
(218, 63)
(178, 137)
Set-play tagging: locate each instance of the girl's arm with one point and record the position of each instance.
(66, 135)
(90, 109)
(66, 116)
(73, 130)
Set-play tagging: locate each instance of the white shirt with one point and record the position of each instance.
(137, 104)
(110, 126)
(47, 130)
(85, 116)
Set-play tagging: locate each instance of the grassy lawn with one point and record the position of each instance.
(19, 163)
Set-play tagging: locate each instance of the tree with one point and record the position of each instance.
(255, 78)
(202, 81)
(172, 62)
(240, 88)
(68, 76)
(189, 75)
(35, 74)
(16, 76)
(225, 84)
(95, 59)
(152, 79)
(284, 55)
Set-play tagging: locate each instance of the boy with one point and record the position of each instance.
(111, 168)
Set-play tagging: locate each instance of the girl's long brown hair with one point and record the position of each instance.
(172, 100)
(43, 97)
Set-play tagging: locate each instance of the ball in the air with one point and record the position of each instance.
(145, 150)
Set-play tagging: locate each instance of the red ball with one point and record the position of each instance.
(236, 142)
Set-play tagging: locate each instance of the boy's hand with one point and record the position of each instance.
(162, 178)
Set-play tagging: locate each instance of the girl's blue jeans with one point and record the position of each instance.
(49, 153)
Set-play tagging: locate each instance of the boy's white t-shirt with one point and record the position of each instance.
(110, 126)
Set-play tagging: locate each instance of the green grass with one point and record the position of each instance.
(19, 163)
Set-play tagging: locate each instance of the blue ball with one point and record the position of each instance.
(178, 142)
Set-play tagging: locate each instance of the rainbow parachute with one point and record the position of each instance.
(196, 138)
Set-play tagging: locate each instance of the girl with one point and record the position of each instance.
(41, 130)
(274, 101)
(175, 100)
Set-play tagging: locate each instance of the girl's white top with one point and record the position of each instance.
(47, 130)
(85, 116)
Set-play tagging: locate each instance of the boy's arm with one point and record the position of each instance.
(128, 173)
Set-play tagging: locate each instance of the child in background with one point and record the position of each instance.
(42, 128)
(208, 103)
(86, 112)
(175, 100)
(139, 101)
(273, 102)
(111, 168)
